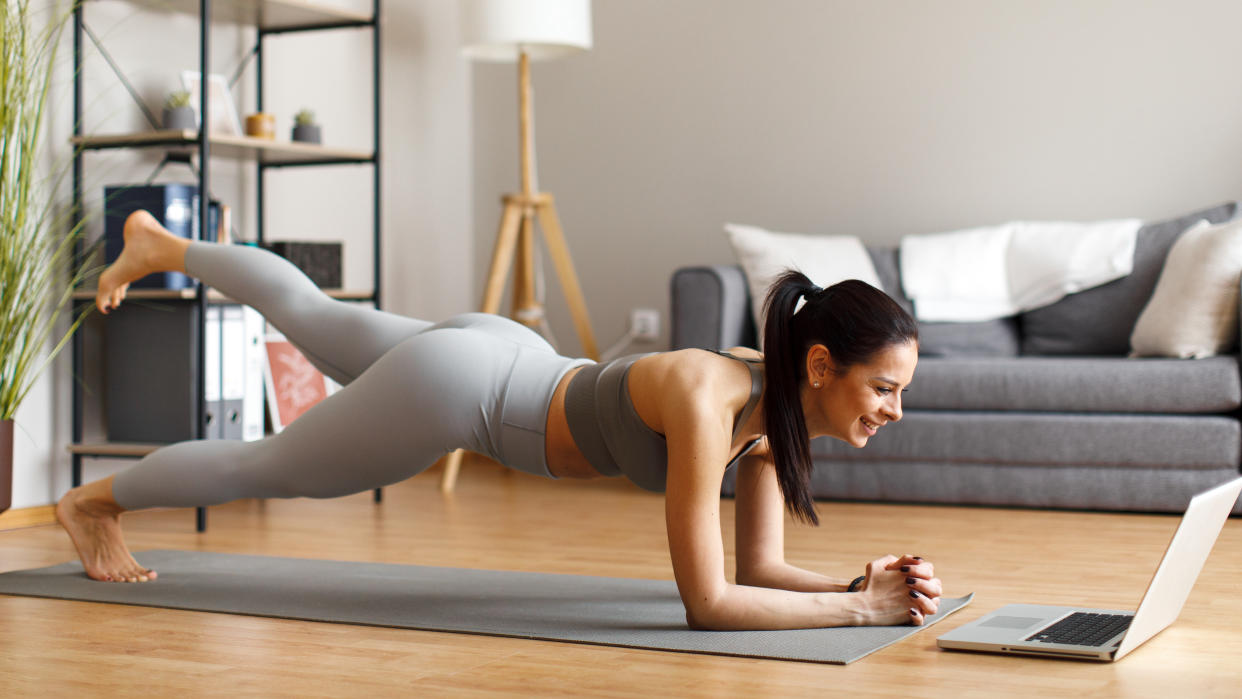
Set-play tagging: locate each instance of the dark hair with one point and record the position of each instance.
(854, 320)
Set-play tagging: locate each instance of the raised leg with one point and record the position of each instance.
(340, 338)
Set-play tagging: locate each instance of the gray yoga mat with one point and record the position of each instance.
(608, 611)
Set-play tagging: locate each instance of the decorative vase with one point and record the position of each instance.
(179, 118)
(6, 465)
(306, 133)
(261, 125)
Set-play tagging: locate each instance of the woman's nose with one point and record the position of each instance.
(892, 408)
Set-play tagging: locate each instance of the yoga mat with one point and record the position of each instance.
(607, 611)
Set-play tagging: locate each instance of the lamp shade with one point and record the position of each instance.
(500, 30)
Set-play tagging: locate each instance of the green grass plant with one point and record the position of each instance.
(39, 261)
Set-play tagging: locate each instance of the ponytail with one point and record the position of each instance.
(854, 320)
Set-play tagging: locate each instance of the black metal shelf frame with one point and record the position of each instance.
(204, 178)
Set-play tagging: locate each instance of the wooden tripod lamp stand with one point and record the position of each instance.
(522, 31)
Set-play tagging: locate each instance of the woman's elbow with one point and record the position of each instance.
(705, 614)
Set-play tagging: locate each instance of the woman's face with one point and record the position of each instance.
(853, 405)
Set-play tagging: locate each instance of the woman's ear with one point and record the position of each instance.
(819, 364)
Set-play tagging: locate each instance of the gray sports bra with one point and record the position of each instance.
(605, 426)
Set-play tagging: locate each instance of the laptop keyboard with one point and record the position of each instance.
(1083, 629)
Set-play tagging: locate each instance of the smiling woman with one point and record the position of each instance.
(669, 421)
(850, 340)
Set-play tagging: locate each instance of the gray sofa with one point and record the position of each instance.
(1039, 410)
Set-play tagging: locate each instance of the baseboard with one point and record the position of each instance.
(28, 517)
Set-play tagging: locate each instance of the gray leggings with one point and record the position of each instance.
(413, 391)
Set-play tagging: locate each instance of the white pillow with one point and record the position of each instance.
(826, 259)
(1193, 312)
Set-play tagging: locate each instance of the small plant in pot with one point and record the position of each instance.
(178, 114)
(304, 127)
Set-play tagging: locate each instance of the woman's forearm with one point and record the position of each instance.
(783, 576)
(746, 608)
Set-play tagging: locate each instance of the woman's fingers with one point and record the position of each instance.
(916, 616)
(913, 566)
(926, 605)
(930, 588)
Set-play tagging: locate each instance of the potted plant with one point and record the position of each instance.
(178, 114)
(304, 127)
(38, 269)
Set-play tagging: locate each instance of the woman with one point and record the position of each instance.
(672, 421)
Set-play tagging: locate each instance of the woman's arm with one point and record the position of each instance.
(760, 532)
(698, 437)
(760, 537)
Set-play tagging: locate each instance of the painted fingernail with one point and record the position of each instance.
(911, 581)
(914, 593)
(913, 612)
(905, 569)
(918, 558)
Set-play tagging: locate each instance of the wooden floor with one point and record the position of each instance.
(512, 521)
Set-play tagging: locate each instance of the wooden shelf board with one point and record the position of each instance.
(274, 152)
(213, 296)
(264, 14)
(113, 449)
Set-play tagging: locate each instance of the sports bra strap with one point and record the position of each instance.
(756, 389)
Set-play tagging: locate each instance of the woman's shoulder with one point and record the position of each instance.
(692, 366)
(686, 379)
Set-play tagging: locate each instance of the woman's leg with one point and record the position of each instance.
(340, 338)
(433, 393)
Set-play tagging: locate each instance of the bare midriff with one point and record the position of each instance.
(565, 460)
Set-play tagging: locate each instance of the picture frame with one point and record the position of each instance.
(293, 385)
(223, 120)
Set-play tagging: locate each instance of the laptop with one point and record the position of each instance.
(1102, 634)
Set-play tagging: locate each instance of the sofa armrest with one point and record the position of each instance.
(710, 308)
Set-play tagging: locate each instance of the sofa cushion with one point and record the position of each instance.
(1099, 321)
(1083, 384)
(1193, 312)
(993, 338)
(1071, 439)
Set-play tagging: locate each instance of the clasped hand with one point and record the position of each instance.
(901, 590)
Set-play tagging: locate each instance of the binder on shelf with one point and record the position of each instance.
(233, 377)
(175, 206)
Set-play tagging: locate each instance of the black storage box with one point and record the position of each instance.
(151, 365)
(319, 261)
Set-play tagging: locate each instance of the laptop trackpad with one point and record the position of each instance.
(1013, 622)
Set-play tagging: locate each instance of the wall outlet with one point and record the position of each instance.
(645, 323)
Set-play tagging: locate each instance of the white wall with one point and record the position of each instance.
(868, 118)
(426, 210)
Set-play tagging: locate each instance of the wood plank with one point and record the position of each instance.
(28, 517)
(112, 449)
(265, 14)
(213, 296)
(508, 520)
(267, 151)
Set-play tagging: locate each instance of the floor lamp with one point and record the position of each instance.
(521, 31)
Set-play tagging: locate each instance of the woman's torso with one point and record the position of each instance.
(725, 381)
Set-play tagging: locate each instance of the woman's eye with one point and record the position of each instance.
(884, 391)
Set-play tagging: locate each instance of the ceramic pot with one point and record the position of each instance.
(179, 118)
(307, 133)
(6, 465)
(261, 125)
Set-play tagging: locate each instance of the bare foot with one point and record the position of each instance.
(94, 525)
(149, 248)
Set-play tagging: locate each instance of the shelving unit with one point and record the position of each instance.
(268, 17)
